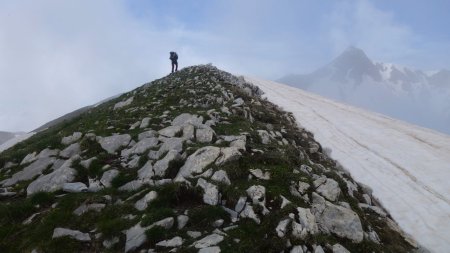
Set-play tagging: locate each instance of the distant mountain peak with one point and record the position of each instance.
(352, 56)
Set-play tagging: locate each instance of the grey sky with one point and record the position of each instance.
(57, 56)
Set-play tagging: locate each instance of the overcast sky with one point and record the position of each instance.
(57, 56)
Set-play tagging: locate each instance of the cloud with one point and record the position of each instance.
(361, 24)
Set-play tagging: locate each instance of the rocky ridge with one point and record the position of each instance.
(193, 162)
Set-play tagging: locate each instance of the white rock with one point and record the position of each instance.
(162, 165)
(135, 237)
(281, 228)
(265, 137)
(110, 243)
(73, 149)
(54, 180)
(75, 234)
(194, 234)
(182, 221)
(319, 249)
(170, 131)
(186, 118)
(145, 122)
(248, 212)
(108, 176)
(30, 171)
(210, 240)
(112, 143)
(97, 207)
(71, 139)
(228, 155)
(196, 162)
(87, 163)
(174, 242)
(329, 189)
(204, 134)
(213, 249)
(296, 249)
(284, 201)
(211, 193)
(74, 187)
(337, 248)
(258, 173)
(146, 134)
(142, 204)
(123, 103)
(221, 176)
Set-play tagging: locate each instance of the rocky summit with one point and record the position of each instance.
(196, 161)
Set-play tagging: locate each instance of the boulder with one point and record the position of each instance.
(228, 155)
(123, 103)
(74, 187)
(211, 193)
(182, 221)
(187, 119)
(141, 146)
(162, 165)
(172, 243)
(196, 162)
(258, 173)
(53, 181)
(145, 122)
(71, 139)
(220, 176)
(296, 249)
(73, 149)
(97, 207)
(210, 240)
(112, 143)
(213, 249)
(170, 131)
(171, 144)
(265, 137)
(337, 248)
(328, 188)
(146, 134)
(142, 204)
(75, 234)
(281, 228)
(29, 172)
(336, 219)
(204, 134)
(29, 158)
(108, 176)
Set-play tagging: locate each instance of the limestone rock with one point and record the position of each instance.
(71, 139)
(75, 234)
(281, 228)
(204, 134)
(187, 119)
(87, 163)
(29, 172)
(29, 158)
(112, 143)
(182, 221)
(97, 207)
(162, 165)
(170, 131)
(74, 187)
(73, 149)
(108, 176)
(141, 146)
(194, 234)
(171, 144)
(220, 176)
(210, 240)
(123, 103)
(336, 219)
(329, 188)
(265, 137)
(196, 162)
(174, 242)
(146, 134)
(296, 249)
(211, 193)
(228, 155)
(53, 181)
(145, 122)
(258, 173)
(337, 248)
(135, 237)
(142, 204)
(213, 249)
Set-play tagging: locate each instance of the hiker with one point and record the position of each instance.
(174, 59)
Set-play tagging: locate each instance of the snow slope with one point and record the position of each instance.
(11, 142)
(408, 167)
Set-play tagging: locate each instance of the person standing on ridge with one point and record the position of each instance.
(174, 59)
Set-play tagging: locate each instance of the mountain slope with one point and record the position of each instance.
(407, 167)
(194, 162)
(410, 95)
(6, 136)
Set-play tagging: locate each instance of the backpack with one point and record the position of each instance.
(175, 56)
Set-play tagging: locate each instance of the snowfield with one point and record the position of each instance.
(408, 167)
